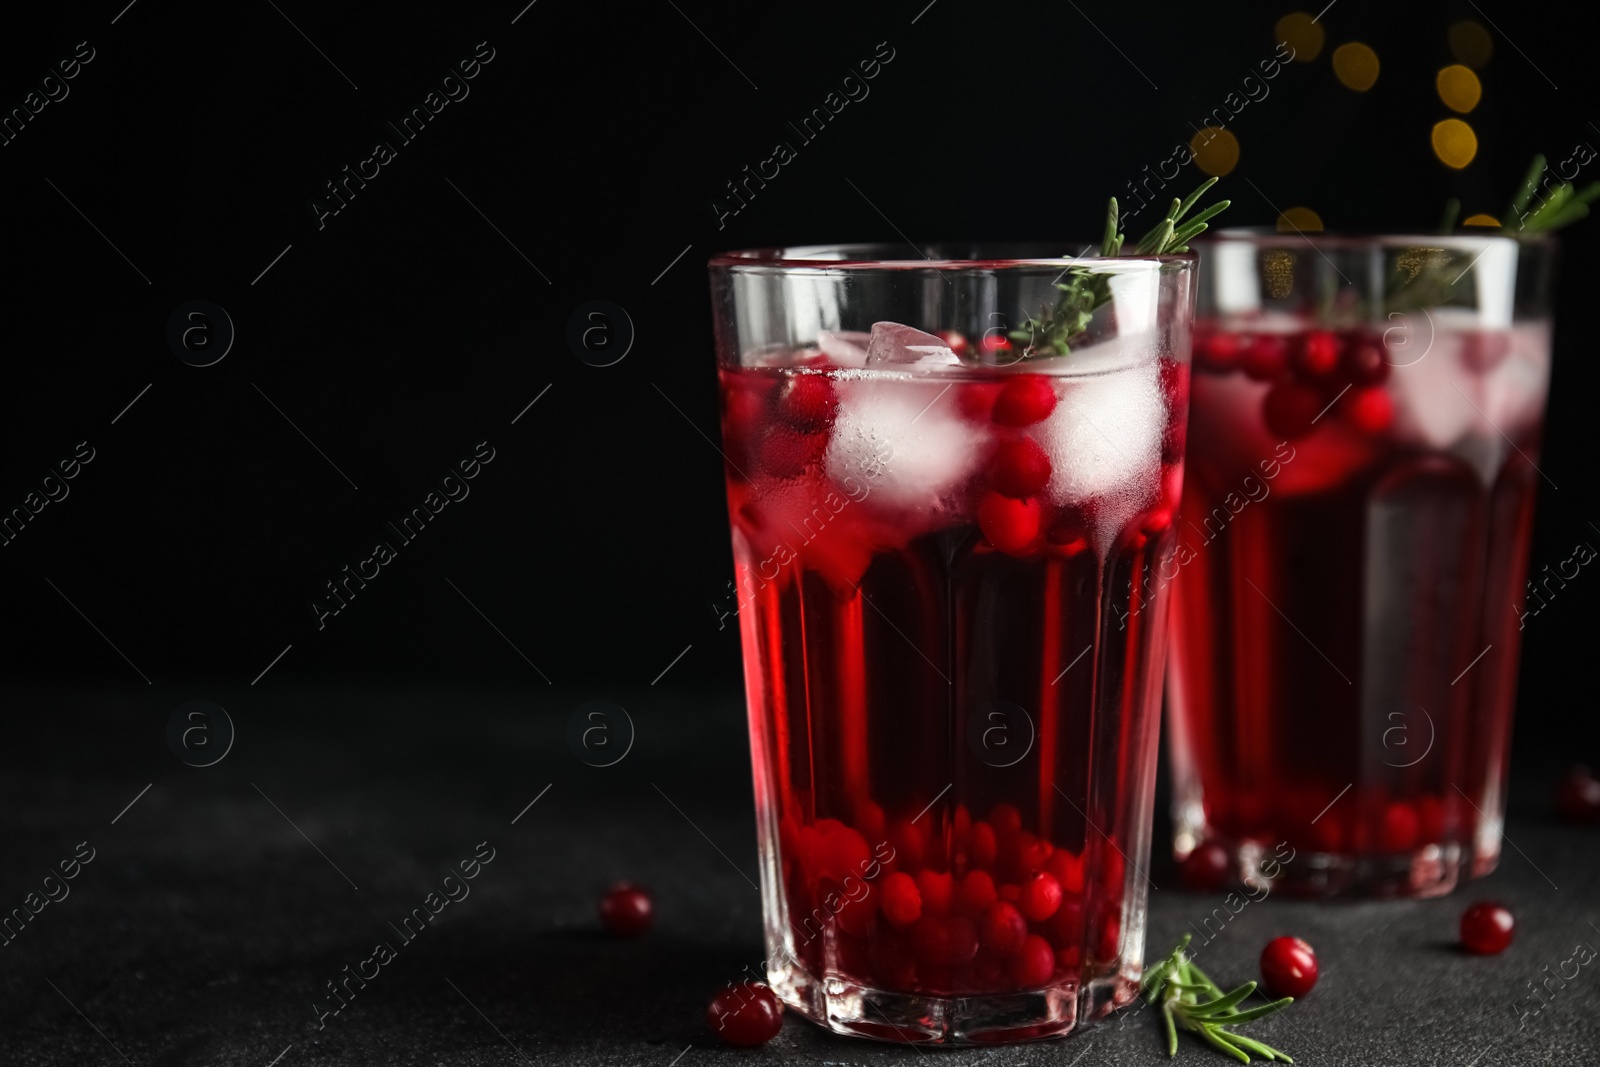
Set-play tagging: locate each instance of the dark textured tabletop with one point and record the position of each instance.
(220, 901)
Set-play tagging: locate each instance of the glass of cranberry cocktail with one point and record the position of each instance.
(945, 517)
(1362, 466)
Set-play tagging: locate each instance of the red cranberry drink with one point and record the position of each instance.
(1351, 554)
(940, 513)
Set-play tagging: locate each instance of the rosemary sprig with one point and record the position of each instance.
(1053, 332)
(1428, 277)
(1178, 985)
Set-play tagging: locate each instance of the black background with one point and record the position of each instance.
(410, 327)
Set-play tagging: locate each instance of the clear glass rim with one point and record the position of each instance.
(981, 255)
(1266, 237)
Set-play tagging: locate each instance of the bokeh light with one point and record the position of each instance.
(1303, 35)
(1299, 219)
(1482, 220)
(1454, 143)
(1459, 88)
(1356, 66)
(1471, 44)
(1216, 150)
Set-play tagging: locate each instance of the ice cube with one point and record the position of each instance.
(908, 347)
(846, 348)
(1437, 399)
(1104, 437)
(901, 441)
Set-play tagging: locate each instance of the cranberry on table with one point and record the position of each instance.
(746, 1014)
(1578, 796)
(1288, 967)
(1487, 928)
(626, 910)
(1209, 866)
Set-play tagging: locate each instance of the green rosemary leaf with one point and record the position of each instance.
(1260, 1048)
(1452, 211)
(1172, 1032)
(1220, 1042)
(1525, 190)
(1260, 1012)
(1223, 1003)
(1200, 977)
(1206, 214)
(1112, 242)
(1189, 201)
(1151, 242)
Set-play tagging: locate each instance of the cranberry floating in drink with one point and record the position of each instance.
(944, 522)
(1349, 571)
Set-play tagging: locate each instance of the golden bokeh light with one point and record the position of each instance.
(1482, 220)
(1459, 88)
(1471, 44)
(1301, 34)
(1216, 150)
(1299, 220)
(1454, 143)
(1356, 66)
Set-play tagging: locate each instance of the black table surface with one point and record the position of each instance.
(221, 900)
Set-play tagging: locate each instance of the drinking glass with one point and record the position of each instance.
(944, 543)
(1362, 466)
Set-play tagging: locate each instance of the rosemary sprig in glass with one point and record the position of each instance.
(1190, 1000)
(1085, 291)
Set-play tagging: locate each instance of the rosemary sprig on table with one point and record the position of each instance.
(1177, 986)
(1085, 291)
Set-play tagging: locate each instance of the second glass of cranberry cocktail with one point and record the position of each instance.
(945, 520)
(1362, 466)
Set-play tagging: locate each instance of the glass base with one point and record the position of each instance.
(1429, 871)
(847, 1007)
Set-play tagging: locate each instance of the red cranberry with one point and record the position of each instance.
(844, 853)
(1034, 963)
(1025, 400)
(626, 910)
(1430, 819)
(938, 892)
(1010, 525)
(1288, 967)
(995, 344)
(1065, 927)
(1009, 893)
(975, 893)
(945, 942)
(1006, 820)
(901, 901)
(871, 821)
(1265, 358)
(906, 838)
(1003, 929)
(1209, 866)
(1041, 896)
(806, 402)
(1487, 928)
(1578, 796)
(1108, 945)
(955, 341)
(1020, 468)
(1399, 828)
(1218, 352)
(1318, 354)
(982, 847)
(1291, 409)
(1370, 409)
(746, 1014)
(975, 400)
(1068, 869)
(1364, 363)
